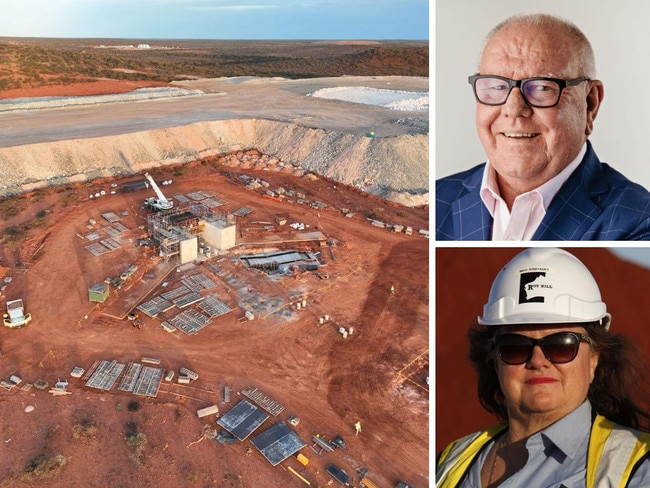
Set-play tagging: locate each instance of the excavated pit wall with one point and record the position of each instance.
(384, 166)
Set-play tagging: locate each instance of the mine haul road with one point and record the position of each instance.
(223, 99)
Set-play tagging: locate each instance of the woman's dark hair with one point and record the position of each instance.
(617, 386)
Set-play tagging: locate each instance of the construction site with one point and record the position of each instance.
(251, 321)
(187, 234)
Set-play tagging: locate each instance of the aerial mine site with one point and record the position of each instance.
(214, 277)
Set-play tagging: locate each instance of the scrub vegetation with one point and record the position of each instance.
(44, 62)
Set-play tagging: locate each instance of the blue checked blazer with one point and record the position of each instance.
(596, 203)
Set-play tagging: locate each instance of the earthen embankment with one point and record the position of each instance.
(384, 166)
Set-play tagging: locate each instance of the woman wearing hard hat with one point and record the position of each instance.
(551, 371)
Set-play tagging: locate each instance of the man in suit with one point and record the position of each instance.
(537, 100)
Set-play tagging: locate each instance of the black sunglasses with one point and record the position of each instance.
(558, 348)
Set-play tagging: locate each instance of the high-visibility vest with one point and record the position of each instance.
(614, 452)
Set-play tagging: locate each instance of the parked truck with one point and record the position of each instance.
(160, 203)
(16, 316)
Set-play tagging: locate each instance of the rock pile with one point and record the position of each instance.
(383, 166)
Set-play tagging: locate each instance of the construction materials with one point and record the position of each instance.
(60, 388)
(368, 483)
(263, 400)
(107, 245)
(128, 272)
(243, 419)
(214, 307)
(323, 443)
(77, 372)
(190, 321)
(277, 443)
(302, 478)
(189, 373)
(105, 375)
(204, 412)
(155, 306)
(338, 474)
(141, 380)
(225, 438)
(59, 392)
(168, 327)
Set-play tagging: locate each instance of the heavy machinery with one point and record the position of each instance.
(160, 203)
(16, 316)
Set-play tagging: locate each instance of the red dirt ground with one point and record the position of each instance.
(376, 376)
(463, 280)
(104, 87)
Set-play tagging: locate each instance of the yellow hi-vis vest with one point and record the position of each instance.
(614, 451)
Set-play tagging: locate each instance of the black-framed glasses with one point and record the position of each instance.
(537, 92)
(558, 348)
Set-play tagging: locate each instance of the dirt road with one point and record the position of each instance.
(224, 99)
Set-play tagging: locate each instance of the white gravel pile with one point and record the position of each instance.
(392, 99)
(139, 95)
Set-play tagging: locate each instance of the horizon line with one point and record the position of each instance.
(325, 39)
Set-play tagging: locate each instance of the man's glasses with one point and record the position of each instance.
(558, 348)
(537, 92)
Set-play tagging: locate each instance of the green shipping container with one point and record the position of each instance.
(98, 293)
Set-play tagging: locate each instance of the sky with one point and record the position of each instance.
(217, 19)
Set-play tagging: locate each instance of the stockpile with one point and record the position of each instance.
(383, 165)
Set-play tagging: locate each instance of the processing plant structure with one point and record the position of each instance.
(183, 232)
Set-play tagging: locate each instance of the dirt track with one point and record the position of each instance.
(375, 376)
(225, 99)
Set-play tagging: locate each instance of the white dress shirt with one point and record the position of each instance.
(528, 209)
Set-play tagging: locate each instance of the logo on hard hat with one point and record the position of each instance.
(533, 287)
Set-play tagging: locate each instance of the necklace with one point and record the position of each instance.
(499, 444)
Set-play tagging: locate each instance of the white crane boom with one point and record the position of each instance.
(161, 203)
(155, 187)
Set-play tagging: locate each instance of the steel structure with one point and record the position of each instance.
(169, 228)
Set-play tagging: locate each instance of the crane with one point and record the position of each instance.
(160, 203)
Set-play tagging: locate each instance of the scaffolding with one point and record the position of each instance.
(170, 227)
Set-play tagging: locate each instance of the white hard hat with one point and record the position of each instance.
(544, 286)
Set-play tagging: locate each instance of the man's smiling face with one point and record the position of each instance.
(528, 146)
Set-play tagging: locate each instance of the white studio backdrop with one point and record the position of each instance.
(620, 37)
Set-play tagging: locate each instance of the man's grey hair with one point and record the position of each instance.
(583, 49)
